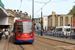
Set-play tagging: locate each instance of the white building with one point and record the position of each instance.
(3, 17)
(45, 22)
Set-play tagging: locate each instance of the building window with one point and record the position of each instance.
(22, 15)
(66, 21)
(71, 21)
(51, 21)
(61, 21)
(48, 22)
(45, 19)
(56, 21)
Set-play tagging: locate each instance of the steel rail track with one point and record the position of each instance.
(50, 44)
(36, 47)
(21, 47)
(32, 45)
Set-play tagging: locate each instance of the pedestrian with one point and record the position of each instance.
(37, 28)
(43, 29)
(6, 34)
(1, 33)
(9, 31)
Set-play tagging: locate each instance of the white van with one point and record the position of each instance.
(65, 29)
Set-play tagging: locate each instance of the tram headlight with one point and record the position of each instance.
(31, 34)
(18, 35)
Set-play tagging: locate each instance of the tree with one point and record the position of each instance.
(73, 11)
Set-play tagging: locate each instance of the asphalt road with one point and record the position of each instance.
(40, 44)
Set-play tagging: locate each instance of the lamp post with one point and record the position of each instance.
(41, 15)
(71, 26)
(32, 10)
(41, 22)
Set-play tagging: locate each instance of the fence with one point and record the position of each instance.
(57, 34)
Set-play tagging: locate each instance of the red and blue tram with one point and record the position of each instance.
(23, 31)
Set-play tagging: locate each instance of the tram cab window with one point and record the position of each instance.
(19, 27)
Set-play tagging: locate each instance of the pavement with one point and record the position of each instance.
(64, 40)
(3, 43)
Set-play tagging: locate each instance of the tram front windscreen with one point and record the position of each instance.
(25, 27)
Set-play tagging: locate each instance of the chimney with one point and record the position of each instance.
(17, 11)
(20, 13)
(53, 13)
(14, 11)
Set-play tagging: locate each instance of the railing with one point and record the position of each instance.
(57, 34)
(1, 4)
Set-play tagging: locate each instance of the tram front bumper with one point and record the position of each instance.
(19, 41)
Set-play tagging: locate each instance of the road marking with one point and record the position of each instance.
(37, 47)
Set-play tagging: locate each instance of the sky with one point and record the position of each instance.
(58, 6)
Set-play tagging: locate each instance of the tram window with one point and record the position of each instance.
(20, 28)
(27, 27)
(19, 23)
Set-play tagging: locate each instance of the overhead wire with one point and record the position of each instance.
(20, 4)
(38, 2)
(43, 6)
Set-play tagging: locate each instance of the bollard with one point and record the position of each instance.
(51, 33)
(70, 35)
(57, 34)
(63, 35)
(54, 34)
(60, 34)
(38, 33)
(66, 35)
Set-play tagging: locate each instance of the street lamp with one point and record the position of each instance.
(41, 22)
(37, 11)
(32, 10)
(41, 16)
